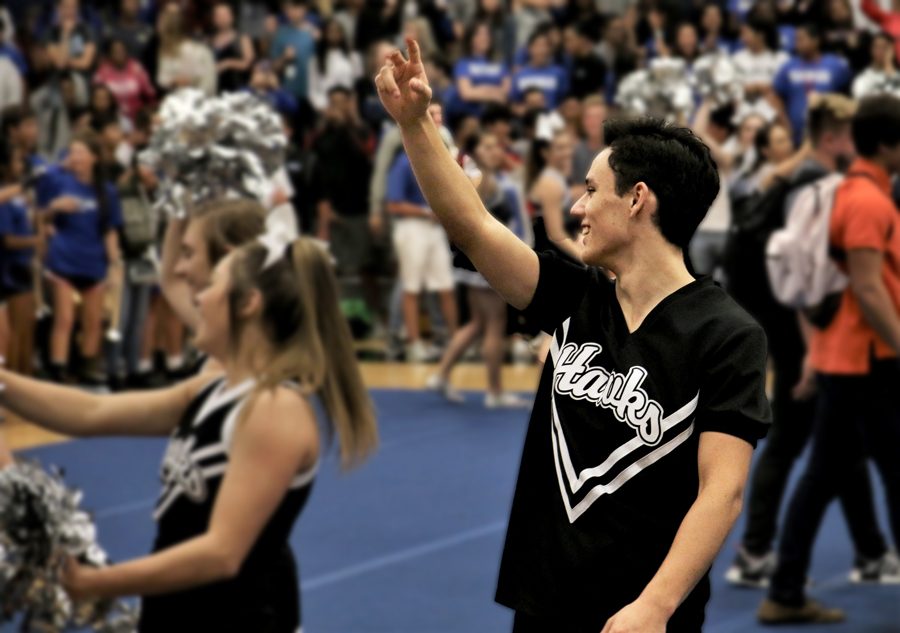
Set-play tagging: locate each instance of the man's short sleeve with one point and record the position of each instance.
(867, 224)
(561, 288)
(733, 391)
(396, 181)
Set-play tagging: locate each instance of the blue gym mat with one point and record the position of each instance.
(410, 542)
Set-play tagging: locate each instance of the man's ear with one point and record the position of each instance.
(641, 196)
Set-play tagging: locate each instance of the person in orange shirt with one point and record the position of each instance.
(856, 359)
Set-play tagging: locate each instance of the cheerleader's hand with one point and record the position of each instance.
(403, 87)
(76, 579)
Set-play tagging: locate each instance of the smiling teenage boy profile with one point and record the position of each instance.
(642, 431)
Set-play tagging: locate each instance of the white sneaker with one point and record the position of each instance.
(417, 352)
(436, 383)
(505, 400)
(751, 571)
(880, 571)
(521, 352)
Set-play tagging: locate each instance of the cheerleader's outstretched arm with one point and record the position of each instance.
(74, 412)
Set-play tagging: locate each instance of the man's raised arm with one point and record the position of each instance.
(507, 263)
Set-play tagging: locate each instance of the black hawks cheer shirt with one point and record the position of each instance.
(609, 468)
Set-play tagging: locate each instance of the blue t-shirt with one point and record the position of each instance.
(14, 221)
(797, 78)
(402, 185)
(296, 73)
(553, 81)
(78, 248)
(479, 71)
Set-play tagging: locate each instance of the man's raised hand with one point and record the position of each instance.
(403, 87)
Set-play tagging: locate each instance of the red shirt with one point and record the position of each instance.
(887, 20)
(130, 85)
(863, 217)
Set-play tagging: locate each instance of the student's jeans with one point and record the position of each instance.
(123, 358)
(858, 417)
(792, 423)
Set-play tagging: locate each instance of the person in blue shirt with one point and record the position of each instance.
(19, 128)
(293, 47)
(541, 73)
(264, 85)
(479, 79)
(423, 253)
(808, 71)
(19, 242)
(714, 36)
(83, 209)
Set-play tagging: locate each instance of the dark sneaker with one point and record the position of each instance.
(880, 571)
(751, 571)
(771, 612)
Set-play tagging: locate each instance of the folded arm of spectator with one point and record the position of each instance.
(786, 168)
(723, 159)
(497, 94)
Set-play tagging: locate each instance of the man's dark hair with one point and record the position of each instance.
(883, 35)
(813, 30)
(588, 30)
(766, 28)
(496, 112)
(143, 119)
(876, 122)
(673, 163)
(340, 89)
(541, 30)
(13, 116)
(100, 122)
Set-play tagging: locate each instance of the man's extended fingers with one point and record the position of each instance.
(412, 47)
(385, 81)
(397, 59)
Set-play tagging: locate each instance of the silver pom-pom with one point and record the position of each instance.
(716, 78)
(212, 147)
(662, 90)
(41, 525)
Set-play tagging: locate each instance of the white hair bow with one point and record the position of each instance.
(276, 243)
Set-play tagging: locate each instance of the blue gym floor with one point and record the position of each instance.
(410, 542)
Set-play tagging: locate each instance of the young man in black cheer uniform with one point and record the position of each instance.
(642, 432)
